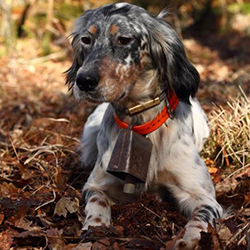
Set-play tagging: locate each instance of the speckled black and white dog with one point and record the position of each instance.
(126, 56)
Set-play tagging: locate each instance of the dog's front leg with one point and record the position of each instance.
(188, 179)
(97, 209)
(199, 222)
(196, 200)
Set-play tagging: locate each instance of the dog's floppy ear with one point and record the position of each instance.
(170, 59)
(78, 54)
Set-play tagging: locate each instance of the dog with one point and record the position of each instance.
(124, 57)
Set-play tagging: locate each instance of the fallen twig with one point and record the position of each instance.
(151, 211)
(237, 234)
(48, 202)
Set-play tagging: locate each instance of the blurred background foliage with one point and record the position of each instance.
(49, 22)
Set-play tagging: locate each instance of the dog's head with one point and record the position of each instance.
(121, 49)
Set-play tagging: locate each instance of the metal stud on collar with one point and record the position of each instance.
(170, 110)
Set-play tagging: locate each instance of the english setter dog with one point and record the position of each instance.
(125, 57)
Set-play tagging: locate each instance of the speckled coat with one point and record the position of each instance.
(126, 56)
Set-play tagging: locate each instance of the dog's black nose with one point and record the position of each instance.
(87, 82)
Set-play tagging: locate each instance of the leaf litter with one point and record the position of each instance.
(41, 178)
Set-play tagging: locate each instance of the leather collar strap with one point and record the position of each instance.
(149, 127)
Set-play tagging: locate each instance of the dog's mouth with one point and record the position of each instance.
(97, 97)
(93, 97)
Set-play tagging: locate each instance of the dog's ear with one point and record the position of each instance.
(71, 74)
(77, 49)
(77, 60)
(169, 58)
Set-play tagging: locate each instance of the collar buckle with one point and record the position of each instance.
(144, 106)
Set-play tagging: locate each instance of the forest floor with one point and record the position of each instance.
(41, 206)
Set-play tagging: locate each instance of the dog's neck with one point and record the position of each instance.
(142, 92)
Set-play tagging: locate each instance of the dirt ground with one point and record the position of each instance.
(41, 179)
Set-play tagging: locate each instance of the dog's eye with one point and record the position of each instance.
(86, 40)
(124, 40)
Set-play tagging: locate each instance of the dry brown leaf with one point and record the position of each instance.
(212, 170)
(224, 233)
(247, 197)
(55, 238)
(226, 186)
(215, 174)
(1, 218)
(26, 234)
(60, 182)
(119, 229)
(7, 190)
(6, 239)
(170, 244)
(103, 244)
(65, 205)
(22, 223)
(19, 221)
(80, 246)
(116, 246)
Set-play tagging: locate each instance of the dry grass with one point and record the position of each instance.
(229, 144)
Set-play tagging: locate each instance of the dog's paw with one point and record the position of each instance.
(98, 212)
(191, 235)
(92, 221)
(183, 244)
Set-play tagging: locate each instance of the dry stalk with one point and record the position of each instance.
(230, 138)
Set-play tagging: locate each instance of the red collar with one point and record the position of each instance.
(148, 127)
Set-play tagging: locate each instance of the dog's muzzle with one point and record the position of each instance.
(87, 81)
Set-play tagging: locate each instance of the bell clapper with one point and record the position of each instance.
(129, 186)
